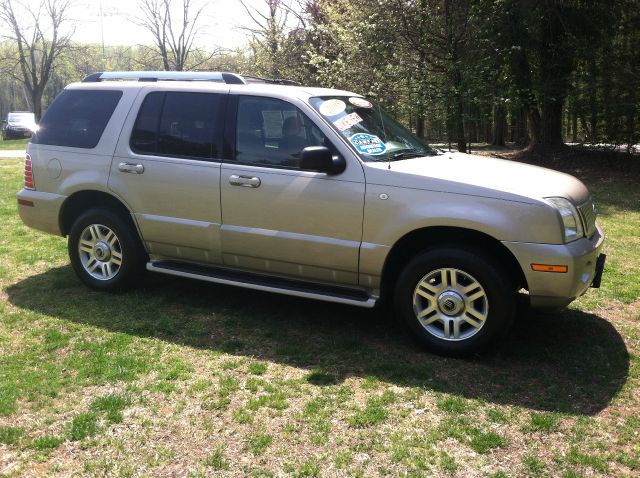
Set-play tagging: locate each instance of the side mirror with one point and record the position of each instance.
(319, 158)
(4, 121)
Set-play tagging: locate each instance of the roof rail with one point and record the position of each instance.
(229, 78)
(275, 81)
(223, 77)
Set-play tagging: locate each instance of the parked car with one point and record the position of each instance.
(19, 124)
(310, 192)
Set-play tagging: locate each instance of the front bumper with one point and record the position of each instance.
(17, 133)
(548, 290)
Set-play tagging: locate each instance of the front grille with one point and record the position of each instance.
(588, 214)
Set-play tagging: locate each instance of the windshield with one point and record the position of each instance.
(21, 118)
(372, 133)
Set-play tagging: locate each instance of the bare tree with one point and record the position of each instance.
(269, 33)
(174, 38)
(39, 40)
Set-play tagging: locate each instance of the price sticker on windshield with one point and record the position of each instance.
(360, 102)
(332, 107)
(368, 144)
(348, 121)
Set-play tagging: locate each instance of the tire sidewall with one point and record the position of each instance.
(132, 253)
(492, 278)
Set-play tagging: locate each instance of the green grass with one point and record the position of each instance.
(216, 459)
(14, 144)
(192, 379)
(83, 425)
(10, 435)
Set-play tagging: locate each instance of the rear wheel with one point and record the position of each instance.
(105, 252)
(455, 301)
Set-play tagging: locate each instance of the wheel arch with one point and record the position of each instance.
(82, 201)
(422, 239)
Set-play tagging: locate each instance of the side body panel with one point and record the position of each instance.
(407, 209)
(175, 201)
(60, 171)
(296, 223)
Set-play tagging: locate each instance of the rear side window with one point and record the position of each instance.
(178, 124)
(77, 118)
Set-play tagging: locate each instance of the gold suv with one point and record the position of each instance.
(310, 192)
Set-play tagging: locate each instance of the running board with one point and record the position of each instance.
(308, 290)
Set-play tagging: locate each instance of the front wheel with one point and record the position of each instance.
(105, 251)
(455, 301)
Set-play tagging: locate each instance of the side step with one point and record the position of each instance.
(308, 290)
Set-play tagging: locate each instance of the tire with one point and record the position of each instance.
(105, 251)
(460, 292)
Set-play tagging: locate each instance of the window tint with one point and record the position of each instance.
(77, 118)
(274, 132)
(178, 124)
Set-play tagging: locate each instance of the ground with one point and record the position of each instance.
(182, 378)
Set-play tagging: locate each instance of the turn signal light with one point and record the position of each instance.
(549, 268)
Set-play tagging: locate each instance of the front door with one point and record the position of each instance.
(278, 219)
(168, 174)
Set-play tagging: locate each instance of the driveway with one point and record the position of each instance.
(12, 153)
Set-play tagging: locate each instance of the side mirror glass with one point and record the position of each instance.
(319, 158)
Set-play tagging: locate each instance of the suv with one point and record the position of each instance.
(309, 192)
(19, 124)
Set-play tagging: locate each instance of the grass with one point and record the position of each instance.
(190, 379)
(14, 144)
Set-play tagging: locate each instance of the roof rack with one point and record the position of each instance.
(229, 78)
(275, 81)
(222, 77)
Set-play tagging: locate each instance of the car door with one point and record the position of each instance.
(277, 218)
(167, 170)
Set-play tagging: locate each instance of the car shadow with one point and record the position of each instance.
(574, 362)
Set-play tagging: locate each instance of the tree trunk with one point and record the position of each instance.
(498, 126)
(420, 126)
(459, 119)
(36, 102)
(521, 138)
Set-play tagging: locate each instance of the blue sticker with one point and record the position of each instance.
(368, 144)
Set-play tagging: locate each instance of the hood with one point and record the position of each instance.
(478, 176)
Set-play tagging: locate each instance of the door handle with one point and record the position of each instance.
(131, 168)
(245, 181)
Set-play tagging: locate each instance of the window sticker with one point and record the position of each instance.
(332, 107)
(360, 102)
(272, 121)
(368, 144)
(348, 121)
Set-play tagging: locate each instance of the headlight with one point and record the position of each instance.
(570, 218)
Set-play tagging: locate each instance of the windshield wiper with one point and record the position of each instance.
(406, 155)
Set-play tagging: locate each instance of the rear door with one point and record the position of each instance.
(277, 218)
(167, 169)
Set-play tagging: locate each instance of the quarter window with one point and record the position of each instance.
(178, 124)
(274, 132)
(77, 118)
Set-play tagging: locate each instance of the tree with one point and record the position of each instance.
(40, 41)
(543, 42)
(268, 32)
(173, 38)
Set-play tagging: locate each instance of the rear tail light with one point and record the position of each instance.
(29, 182)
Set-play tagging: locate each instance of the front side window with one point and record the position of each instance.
(178, 124)
(273, 132)
(77, 118)
(371, 132)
